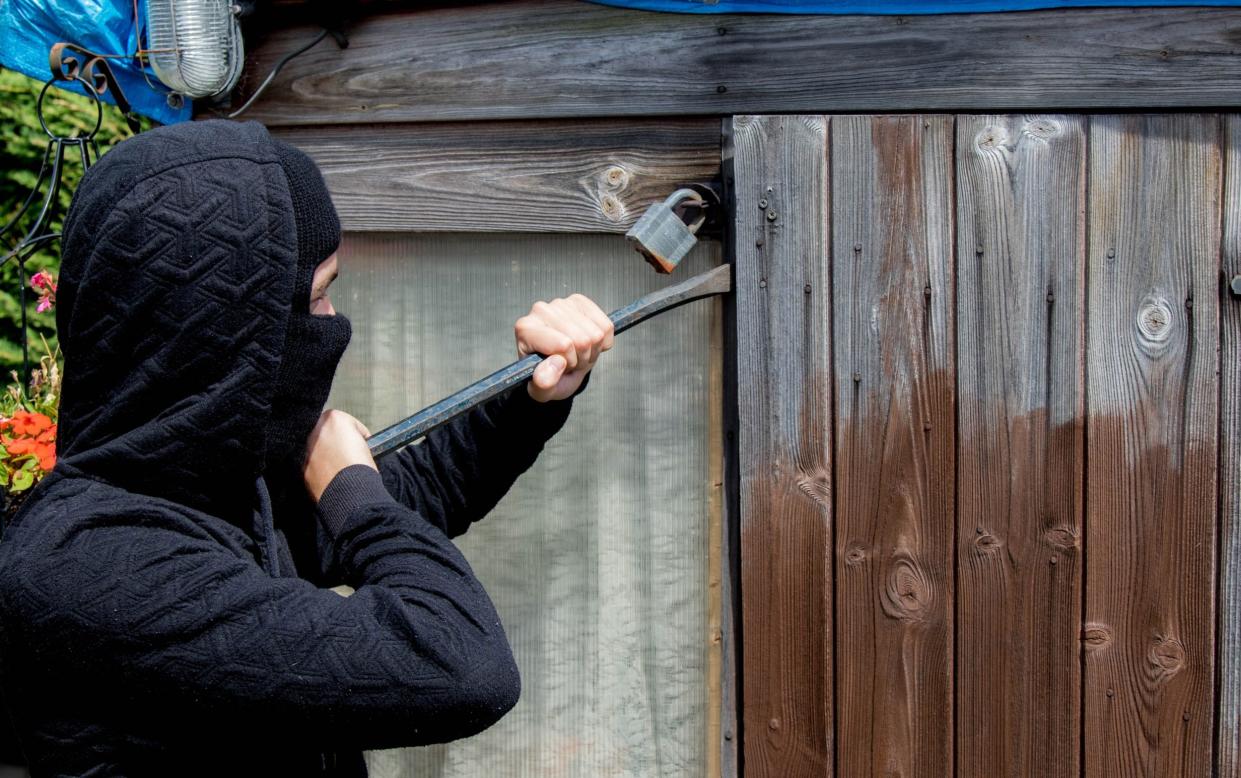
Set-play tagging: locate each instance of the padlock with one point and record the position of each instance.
(661, 236)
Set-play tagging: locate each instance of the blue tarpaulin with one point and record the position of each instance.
(28, 28)
(901, 7)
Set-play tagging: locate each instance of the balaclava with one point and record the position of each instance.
(313, 343)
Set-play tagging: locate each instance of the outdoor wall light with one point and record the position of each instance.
(195, 46)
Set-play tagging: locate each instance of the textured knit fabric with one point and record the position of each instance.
(313, 345)
(154, 615)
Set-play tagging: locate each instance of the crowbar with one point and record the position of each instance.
(712, 282)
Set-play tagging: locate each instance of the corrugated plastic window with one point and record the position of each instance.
(597, 559)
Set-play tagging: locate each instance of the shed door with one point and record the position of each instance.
(604, 558)
(980, 420)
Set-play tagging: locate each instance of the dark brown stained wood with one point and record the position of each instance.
(1020, 342)
(564, 58)
(536, 176)
(784, 406)
(1152, 426)
(892, 302)
(1229, 719)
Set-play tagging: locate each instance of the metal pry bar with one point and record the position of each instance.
(712, 282)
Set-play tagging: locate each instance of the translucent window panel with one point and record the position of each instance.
(597, 557)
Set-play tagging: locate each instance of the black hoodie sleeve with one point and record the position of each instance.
(181, 637)
(458, 473)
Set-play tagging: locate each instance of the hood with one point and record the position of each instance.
(178, 263)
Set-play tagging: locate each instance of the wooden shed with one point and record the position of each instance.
(949, 485)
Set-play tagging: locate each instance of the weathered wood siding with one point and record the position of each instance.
(1152, 421)
(1030, 461)
(892, 292)
(535, 59)
(532, 176)
(785, 414)
(1020, 338)
(1229, 654)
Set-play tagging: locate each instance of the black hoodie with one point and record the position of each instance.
(155, 618)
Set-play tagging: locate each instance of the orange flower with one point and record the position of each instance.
(47, 456)
(26, 423)
(48, 435)
(22, 446)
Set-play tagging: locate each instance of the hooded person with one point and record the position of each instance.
(163, 608)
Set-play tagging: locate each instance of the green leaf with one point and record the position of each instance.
(22, 480)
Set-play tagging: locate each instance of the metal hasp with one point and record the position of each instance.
(661, 236)
(716, 281)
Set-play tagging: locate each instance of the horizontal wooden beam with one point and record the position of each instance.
(547, 176)
(564, 58)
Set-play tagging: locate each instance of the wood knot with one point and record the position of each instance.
(855, 555)
(1041, 129)
(817, 485)
(1167, 656)
(1061, 538)
(986, 544)
(616, 177)
(612, 208)
(1096, 636)
(907, 595)
(990, 138)
(1154, 322)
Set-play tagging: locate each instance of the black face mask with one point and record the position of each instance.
(313, 349)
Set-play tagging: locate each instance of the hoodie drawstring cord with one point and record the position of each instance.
(265, 529)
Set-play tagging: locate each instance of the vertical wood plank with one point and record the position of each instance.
(1021, 329)
(1229, 719)
(784, 380)
(1152, 361)
(730, 582)
(718, 694)
(892, 280)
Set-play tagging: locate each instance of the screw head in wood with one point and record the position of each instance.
(1234, 286)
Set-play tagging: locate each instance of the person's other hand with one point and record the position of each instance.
(337, 441)
(570, 332)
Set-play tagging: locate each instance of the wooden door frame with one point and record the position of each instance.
(559, 177)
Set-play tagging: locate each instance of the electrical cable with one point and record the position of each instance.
(283, 61)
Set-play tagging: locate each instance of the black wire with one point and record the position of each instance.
(283, 61)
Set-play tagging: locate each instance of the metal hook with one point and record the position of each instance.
(94, 73)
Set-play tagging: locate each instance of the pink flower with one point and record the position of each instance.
(40, 279)
(44, 304)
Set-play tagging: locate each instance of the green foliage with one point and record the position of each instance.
(20, 156)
